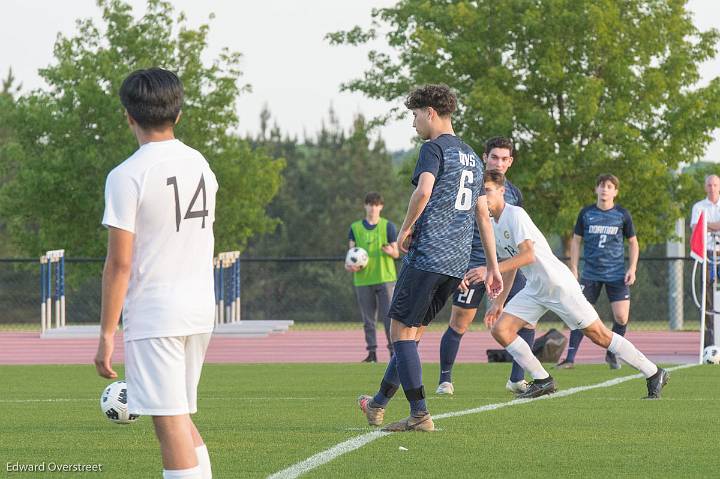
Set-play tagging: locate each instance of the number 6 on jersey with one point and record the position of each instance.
(463, 201)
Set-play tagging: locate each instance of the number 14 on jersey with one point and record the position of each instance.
(189, 213)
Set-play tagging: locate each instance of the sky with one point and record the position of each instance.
(291, 67)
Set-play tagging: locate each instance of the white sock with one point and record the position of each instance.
(521, 352)
(204, 461)
(625, 350)
(192, 473)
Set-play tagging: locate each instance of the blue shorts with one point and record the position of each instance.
(419, 295)
(472, 298)
(615, 290)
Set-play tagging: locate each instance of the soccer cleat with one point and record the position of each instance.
(612, 361)
(539, 387)
(445, 388)
(423, 423)
(656, 382)
(517, 387)
(371, 357)
(565, 364)
(374, 415)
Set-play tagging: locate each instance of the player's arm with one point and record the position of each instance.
(493, 279)
(496, 306)
(116, 276)
(634, 254)
(525, 257)
(418, 201)
(575, 254)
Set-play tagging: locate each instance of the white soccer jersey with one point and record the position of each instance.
(165, 194)
(547, 274)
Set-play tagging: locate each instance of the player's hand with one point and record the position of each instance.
(103, 358)
(493, 283)
(629, 278)
(492, 314)
(464, 285)
(404, 239)
(476, 275)
(352, 268)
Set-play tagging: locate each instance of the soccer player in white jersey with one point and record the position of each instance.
(159, 211)
(550, 286)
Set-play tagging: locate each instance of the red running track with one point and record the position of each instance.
(328, 347)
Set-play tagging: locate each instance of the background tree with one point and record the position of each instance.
(67, 137)
(583, 86)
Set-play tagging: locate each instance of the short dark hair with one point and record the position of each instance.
(152, 97)
(494, 177)
(439, 97)
(374, 198)
(607, 177)
(499, 142)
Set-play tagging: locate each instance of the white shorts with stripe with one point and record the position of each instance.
(162, 374)
(568, 303)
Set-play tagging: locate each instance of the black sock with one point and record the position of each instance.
(619, 329)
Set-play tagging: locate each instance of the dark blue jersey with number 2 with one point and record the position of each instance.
(443, 233)
(603, 232)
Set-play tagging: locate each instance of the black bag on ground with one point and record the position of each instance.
(498, 356)
(549, 347)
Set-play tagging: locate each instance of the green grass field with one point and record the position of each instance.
(260, 419)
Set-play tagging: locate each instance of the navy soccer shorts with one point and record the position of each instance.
(419, 295)
(472, 298)
(615, 290)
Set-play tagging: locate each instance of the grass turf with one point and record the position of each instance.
(259, 419)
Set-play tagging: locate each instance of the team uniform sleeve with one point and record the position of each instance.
(521, 227)
(391, 232)
(121, 201)
(580, 224)
(429, 161)
(351, 235)
(628, 226)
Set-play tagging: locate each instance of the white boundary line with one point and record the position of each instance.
(357, 442)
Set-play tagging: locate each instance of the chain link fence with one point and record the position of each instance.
(318, 293)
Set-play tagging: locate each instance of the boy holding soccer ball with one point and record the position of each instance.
(159, 211)
(374, 283)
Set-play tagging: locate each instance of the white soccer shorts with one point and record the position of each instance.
(569, 304)
(162, 374)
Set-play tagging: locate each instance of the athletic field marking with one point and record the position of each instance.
(234, 398)
(357, 442)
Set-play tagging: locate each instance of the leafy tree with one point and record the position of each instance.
(583, 86)
(69, 136)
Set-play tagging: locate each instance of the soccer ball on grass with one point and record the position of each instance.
(711, 355)
(113, 403)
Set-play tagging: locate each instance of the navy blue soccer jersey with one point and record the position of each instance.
(512, 196)
(443, 232)
(603, 232)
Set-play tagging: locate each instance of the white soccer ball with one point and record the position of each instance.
(113, 403)
(356, 257)
(711, 355)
